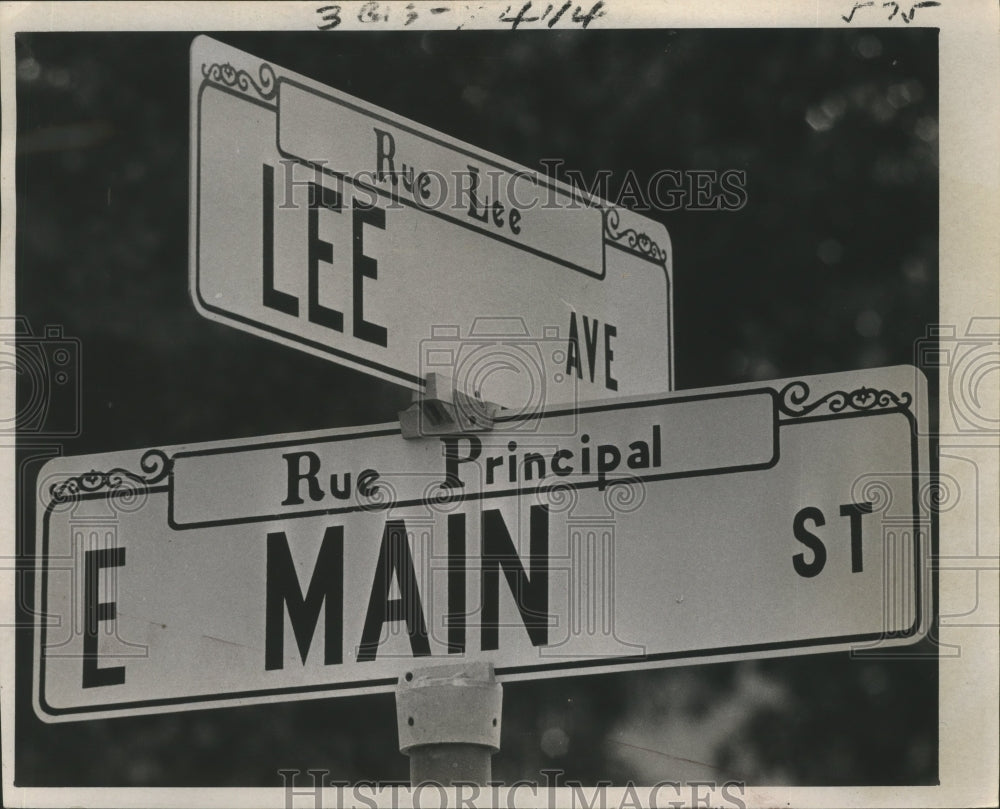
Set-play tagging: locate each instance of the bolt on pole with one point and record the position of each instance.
(449, 723)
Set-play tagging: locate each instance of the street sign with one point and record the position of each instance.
(335, 227)
(730, 523)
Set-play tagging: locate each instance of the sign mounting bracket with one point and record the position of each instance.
(442, 409)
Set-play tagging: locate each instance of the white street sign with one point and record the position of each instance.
(333, 226)
(750, 521)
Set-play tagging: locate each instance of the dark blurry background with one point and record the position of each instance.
(831, 265)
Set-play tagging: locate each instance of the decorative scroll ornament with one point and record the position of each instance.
(155, 465)
(634, 240)
(793, 398)
(265, 86)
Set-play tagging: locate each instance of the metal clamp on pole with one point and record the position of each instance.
(440, 409)
(449, 723)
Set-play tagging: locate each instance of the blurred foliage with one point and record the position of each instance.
(831, 265)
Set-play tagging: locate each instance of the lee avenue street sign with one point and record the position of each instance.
(333, 226)
(730, 523)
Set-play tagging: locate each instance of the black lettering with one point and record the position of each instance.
(367, 482)
(385, 152)
(456, 617)
(406, 177)
(272, 298)
(394, 561)
(94, 612)
(326, 587)
(491, 464)
(341, 493)
(573, 364)
(531, 595)
(515, 221)
(590, 338)
(608, 458)
(811, 541)
(452, 459)
(856, 511)
(474, 212)
(320, 250)
(296, 476)
(536, 461)
(557, 465)
(423, 187)
(610, 332)
(639, 459)
(365, 267)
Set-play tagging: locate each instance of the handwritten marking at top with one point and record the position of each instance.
(376, 13)
(906, 16)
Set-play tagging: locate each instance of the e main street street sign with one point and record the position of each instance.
(750, 521)
(335, 227)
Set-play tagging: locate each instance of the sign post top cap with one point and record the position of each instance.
(451, 704)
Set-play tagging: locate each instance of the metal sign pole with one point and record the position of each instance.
(449, 723)
(448, 715)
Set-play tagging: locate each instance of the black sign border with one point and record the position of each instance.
(213, 77)
(884, 403)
